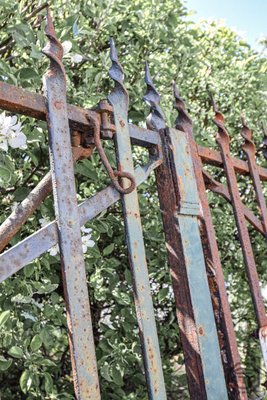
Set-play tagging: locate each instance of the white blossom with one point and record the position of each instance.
(11, 134)
(86, 238)
(76, 58)
(67, 45)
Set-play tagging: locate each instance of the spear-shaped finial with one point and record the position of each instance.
(116, 73)
(246, 133)
(53, 49)
(183, 122)
(155, 119)
(219, 121)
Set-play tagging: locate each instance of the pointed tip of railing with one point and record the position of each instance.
(183, 121)
(53, 49)
(155, 119)
(246, 133)
(117, 74)
(49, 28)
(113, 51)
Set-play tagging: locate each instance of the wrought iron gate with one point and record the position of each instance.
(204, 318)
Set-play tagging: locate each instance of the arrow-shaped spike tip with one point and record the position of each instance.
(113, 51)
(49, 28)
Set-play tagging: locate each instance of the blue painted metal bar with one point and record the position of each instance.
(188, 206)
(167, 193)
(142, 295)
(15, 258)
(80, 330)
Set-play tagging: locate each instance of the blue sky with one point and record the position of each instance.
(248, 17)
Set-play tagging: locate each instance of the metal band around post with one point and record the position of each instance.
(73, 269)
(134, 236)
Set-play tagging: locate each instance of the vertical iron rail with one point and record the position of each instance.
(250, 151)
(222, 312)
(76, 294)
(142, 296)
(176, 261)
(187, 220)
(223, 141)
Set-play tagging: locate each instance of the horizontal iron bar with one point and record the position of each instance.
(21, 101)
(213, 157)
(33, 246)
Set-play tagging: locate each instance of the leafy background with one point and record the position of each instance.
(34, 361)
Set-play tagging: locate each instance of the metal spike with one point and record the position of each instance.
(183, 122)
(116, 73)
(155, 119)
(219, 121)
(246, 133)
(53, 49)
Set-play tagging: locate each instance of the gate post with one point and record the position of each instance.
(81, 338)
(205, 377)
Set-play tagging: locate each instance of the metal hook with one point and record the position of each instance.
(114, 175)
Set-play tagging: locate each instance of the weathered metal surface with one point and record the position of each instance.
(33, 105)
(175, 195)
(12, 260)
(134, 237)
(250, 150)
(26, 208)
(223, 140)
(222, 190)
(222, 312)
(80, 330)
(195, 264)
(114, 175)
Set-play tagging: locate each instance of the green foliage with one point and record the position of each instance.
(35, 361)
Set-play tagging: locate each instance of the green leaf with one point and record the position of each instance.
(108, 250)
(4, 317)
(48, 383)
(117, 375)
(4, 364)
(15, 352)
(36, 343)
(25, 381)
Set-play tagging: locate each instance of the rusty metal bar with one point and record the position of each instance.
(176, 260)
(26, 208)
(222, 190)
(222, 312)
(223, 141)
(250, 151)
(33, 105)
(81, 338)
(21, 254)
(134, 237)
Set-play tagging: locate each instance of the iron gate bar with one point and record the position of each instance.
(21, 254)
(222, 190)
(222, 312)
(33, 105)
(250, 151)
(187, 220)
(176, 261)
(223, 141)
(81, 339)
(134, 237)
